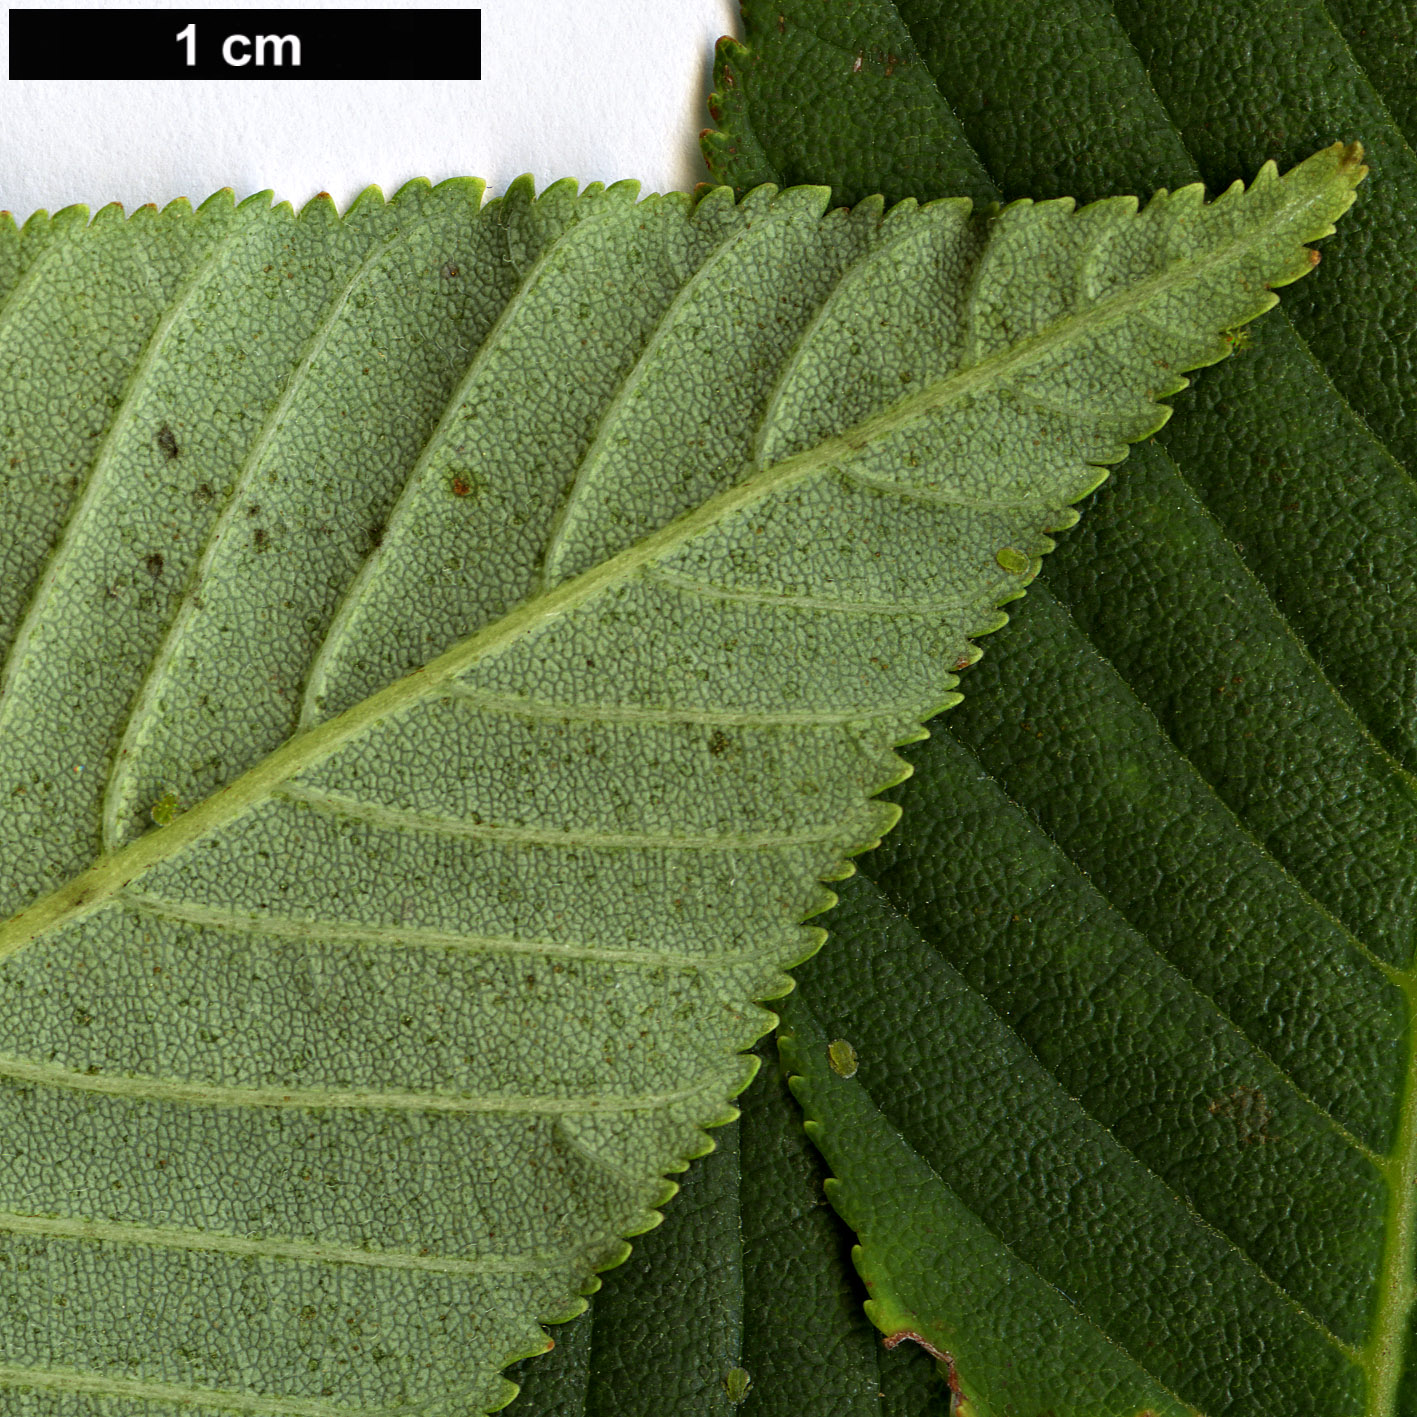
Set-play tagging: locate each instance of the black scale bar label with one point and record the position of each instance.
(246, 44)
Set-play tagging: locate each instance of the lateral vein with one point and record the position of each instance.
(399, 936)
(158, 1089)
(338, 805)
(631, 713)
(802, 602)
(101, 1385)
(933, 498)
(171, 1237)
(103, 460)
(316, 341)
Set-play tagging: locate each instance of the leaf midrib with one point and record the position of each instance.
(89, 890)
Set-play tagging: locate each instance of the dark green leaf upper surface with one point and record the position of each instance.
(750, 1271)
(1171, 826)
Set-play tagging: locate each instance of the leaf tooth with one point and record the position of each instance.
(713, 201)
(320, 207)
(222, 198)
(471, 188)
(523, 189)
(810, 201)
(627, 189)
(1109, 209)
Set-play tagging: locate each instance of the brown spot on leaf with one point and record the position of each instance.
(894, 1340)
(718, 744)
(154, 564)
(449, 271)
(1250, 1111)
(461, 486)
(260, 536)
(168, 443)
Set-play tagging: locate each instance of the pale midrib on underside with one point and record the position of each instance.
(89, 889)
(171, 1237)
(399, 937)
(159, 1089)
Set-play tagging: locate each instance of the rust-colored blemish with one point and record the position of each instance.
(1249, 1109)
(894, 1340)
(461, 486)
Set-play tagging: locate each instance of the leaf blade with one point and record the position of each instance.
(302, 1001)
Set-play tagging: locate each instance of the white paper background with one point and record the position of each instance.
(592, 89)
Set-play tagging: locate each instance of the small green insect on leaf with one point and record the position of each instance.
(737, 1383)
(164, 809)
(842, 1057)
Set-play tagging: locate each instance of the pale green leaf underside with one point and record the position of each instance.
(507, 612)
